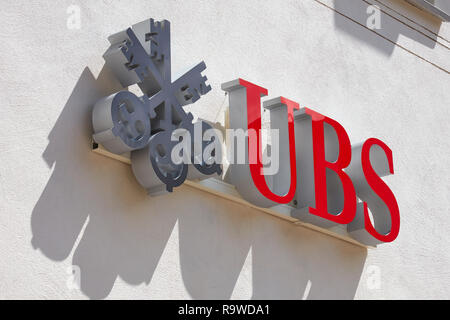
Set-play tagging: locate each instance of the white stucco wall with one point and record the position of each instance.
(62, 205)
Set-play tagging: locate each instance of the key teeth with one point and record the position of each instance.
(194, 94)
(206, 89)
(158, 31)
(130, 50)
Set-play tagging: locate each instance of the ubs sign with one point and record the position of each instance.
(317, 170)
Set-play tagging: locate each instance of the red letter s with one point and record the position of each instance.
(381, 189)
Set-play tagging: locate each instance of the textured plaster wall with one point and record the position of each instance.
(62, 205)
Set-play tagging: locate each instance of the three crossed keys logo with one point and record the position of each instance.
(146, 125)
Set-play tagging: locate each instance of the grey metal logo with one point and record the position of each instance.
(145, 125)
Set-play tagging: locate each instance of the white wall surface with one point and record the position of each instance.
(62, 205)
